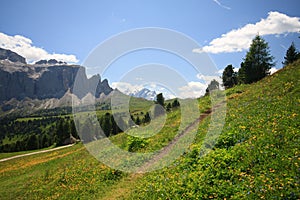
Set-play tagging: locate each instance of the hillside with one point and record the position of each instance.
(256, 156)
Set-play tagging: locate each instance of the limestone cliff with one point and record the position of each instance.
(44, 80)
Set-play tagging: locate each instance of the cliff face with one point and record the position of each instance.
(11, 56)
(42, 81)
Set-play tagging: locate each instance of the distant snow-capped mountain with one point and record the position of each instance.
(148, 93)
(144, 93)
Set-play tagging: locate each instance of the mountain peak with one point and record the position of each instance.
(6, 54)
(144, 93)
(45, 79)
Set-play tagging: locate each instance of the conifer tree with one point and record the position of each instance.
(229, 77)
(257, 63)
(291, 55)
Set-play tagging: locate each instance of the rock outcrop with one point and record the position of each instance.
(45, 79)
(50, 62)
(6, 54)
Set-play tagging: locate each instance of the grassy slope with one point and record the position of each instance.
(11, 154)
(65, 174)
(257, 156)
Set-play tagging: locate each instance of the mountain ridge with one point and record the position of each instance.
(6, 54)
(144, 93)
(44, 81)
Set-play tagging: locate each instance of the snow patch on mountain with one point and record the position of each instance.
(144, 93)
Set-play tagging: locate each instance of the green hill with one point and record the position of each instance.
(257, 156)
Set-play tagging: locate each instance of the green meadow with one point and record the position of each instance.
(256, 156)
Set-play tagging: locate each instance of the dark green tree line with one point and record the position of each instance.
(35, 133)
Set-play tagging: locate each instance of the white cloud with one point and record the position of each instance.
(208, 79)
(221, 71)
(240, 39)
(126, 88)
(218, 2)
(273, 70)
(192, 90)
(24, 47)
(166, 92)
(236, 69)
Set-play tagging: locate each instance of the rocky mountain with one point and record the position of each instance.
(11, 56)
(144, 93)
(50, 62)
(45, 80)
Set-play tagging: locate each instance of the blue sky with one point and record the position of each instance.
(70, 29)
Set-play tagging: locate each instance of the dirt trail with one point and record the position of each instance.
(167, 148)
(123, 188)
(37, 152)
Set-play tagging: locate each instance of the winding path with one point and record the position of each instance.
(122, 189)
(36, 152)
(166, 150)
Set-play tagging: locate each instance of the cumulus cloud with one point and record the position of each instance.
(25, 48)
(126, 88)
(208, 79)
(240, 39)
(192, 90)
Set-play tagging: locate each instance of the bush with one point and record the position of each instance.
(135, 143)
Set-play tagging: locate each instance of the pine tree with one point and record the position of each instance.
(291, 55)
(115, 128)
(169, 107)
(213, 85)
(45, 141)
(160, 99)
(257, 63)
(147, 118)
(32, 143)
(229, 77)
(59, 132)
(137, 121)
(175, 103)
